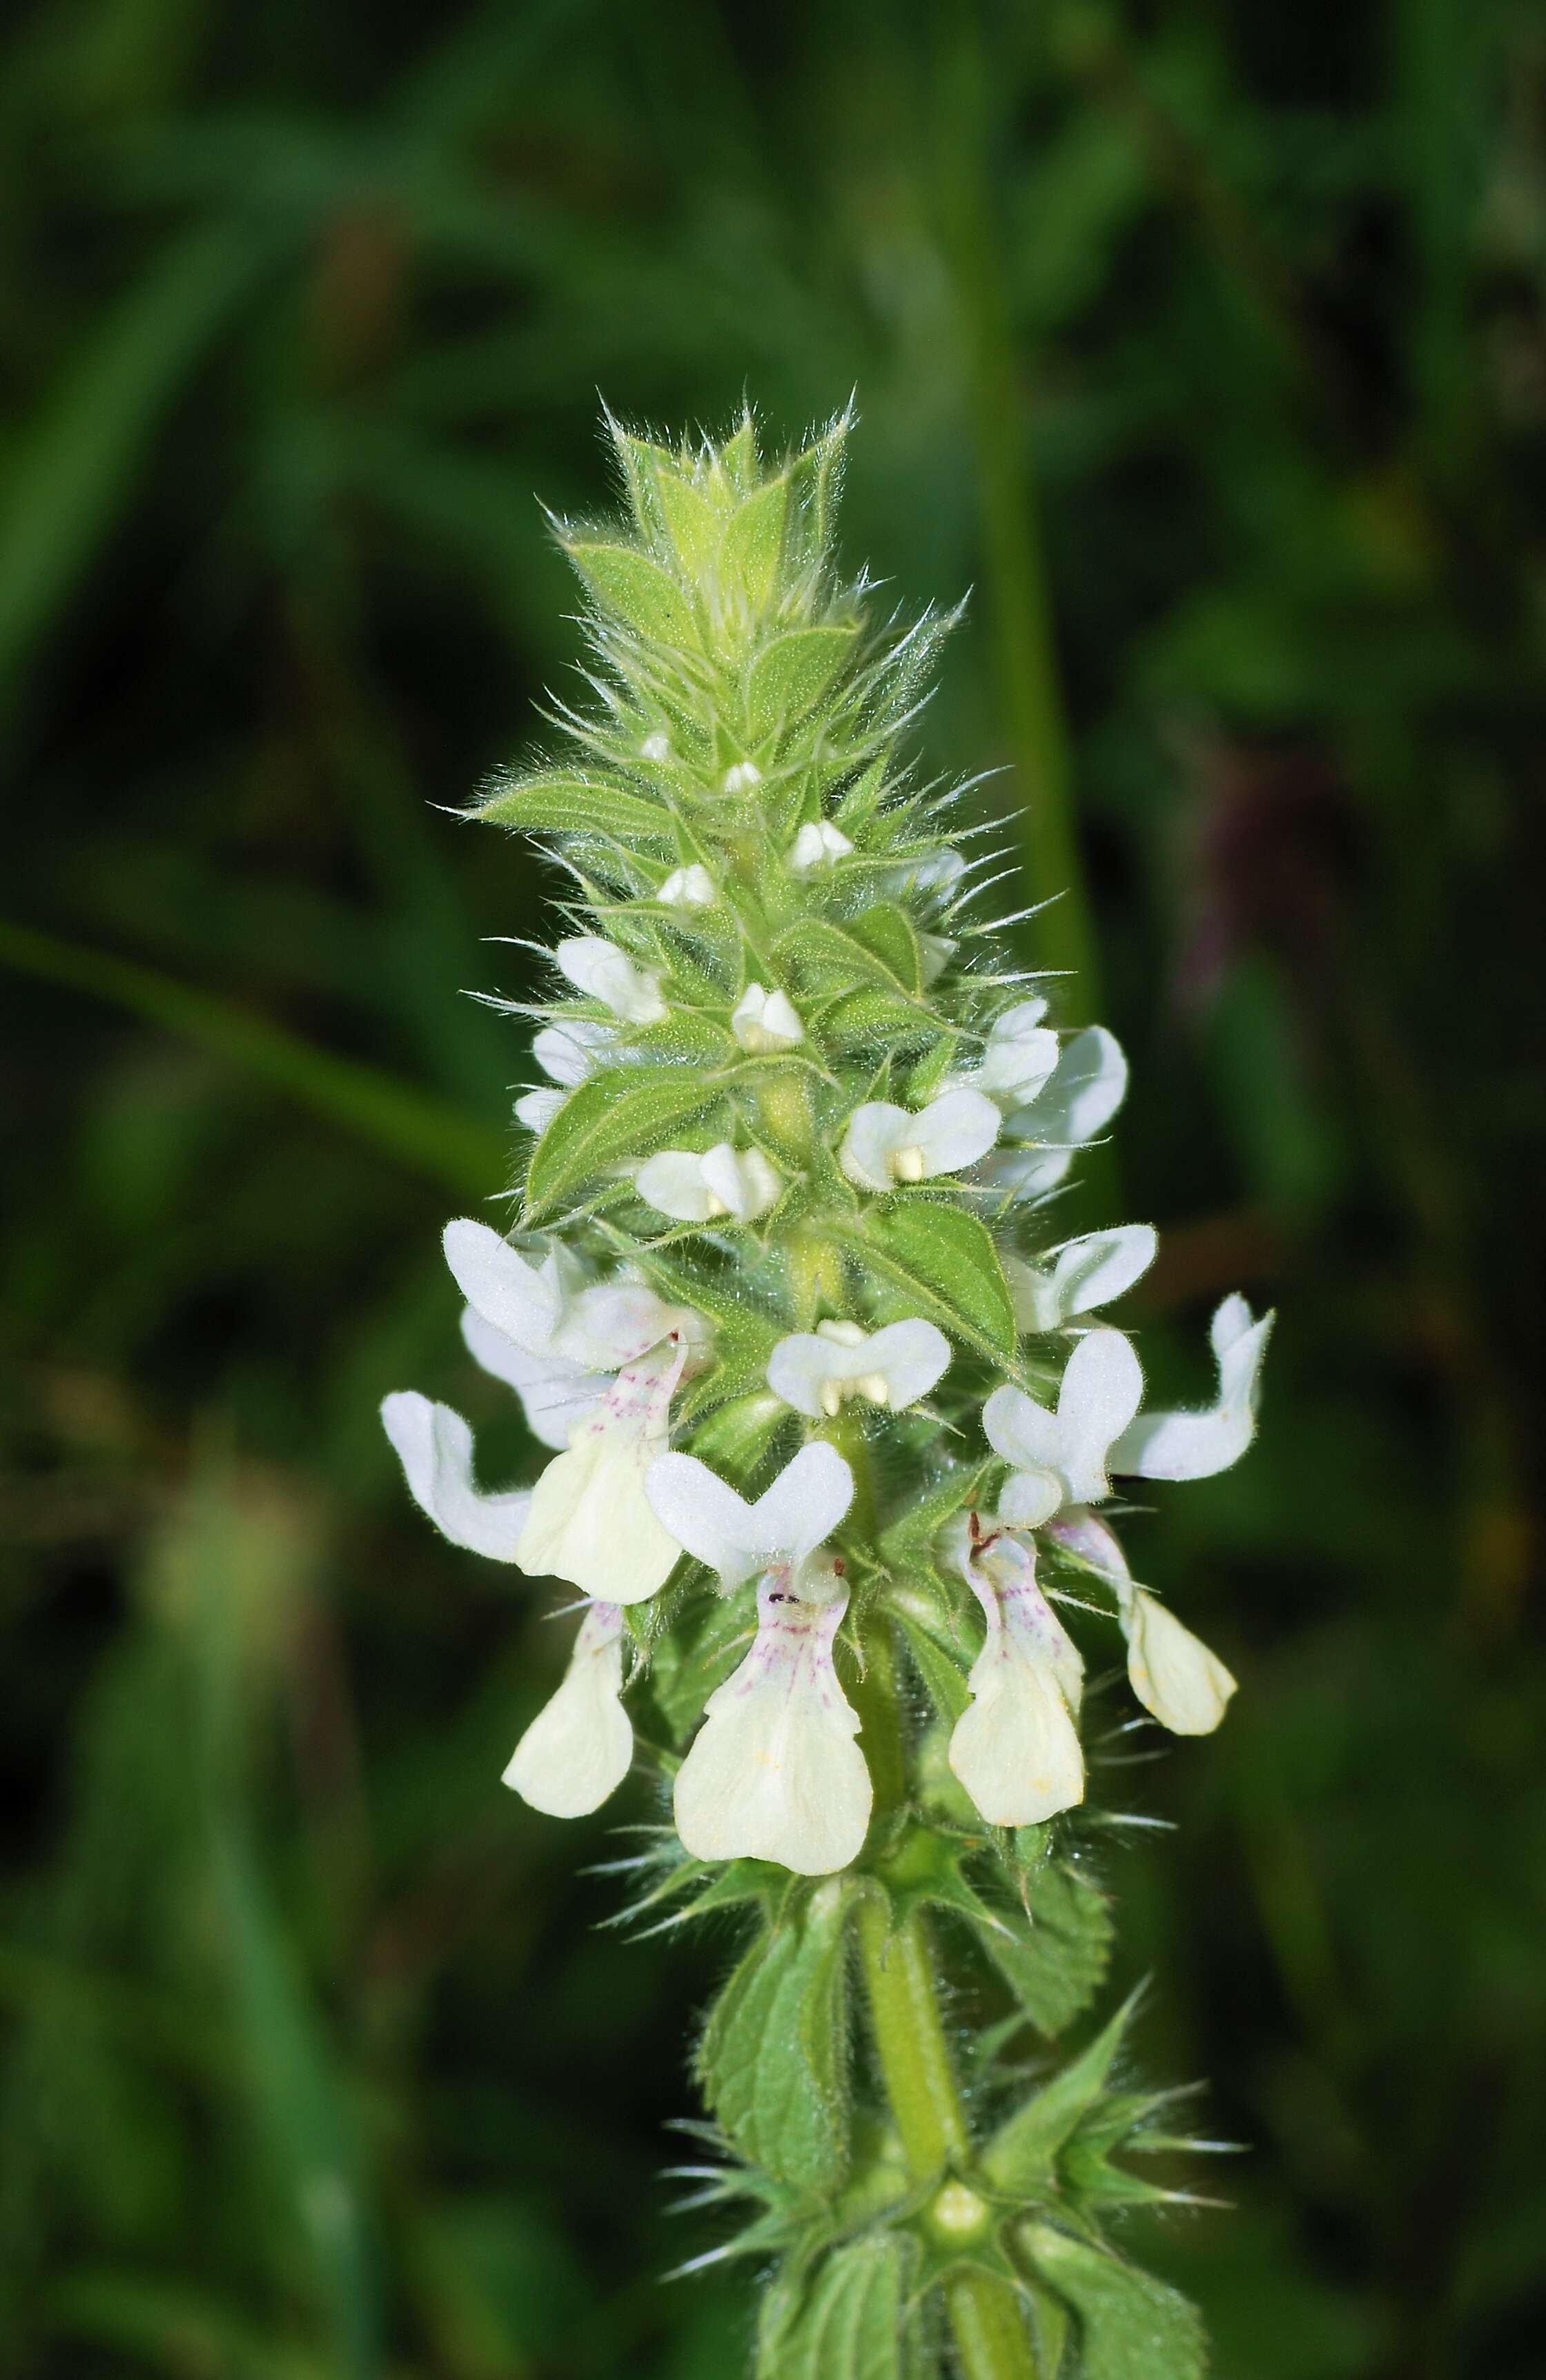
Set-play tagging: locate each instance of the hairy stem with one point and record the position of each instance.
(898, 1968)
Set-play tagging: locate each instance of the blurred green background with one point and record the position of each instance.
(1211, 331)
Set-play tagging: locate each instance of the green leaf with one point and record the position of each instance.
(790, 675)
(924, 1870)
(815, 476)
(946, 1259)
(638, 590)
(621, 1113)
(850, 2322)
(890, 934)
(559, 802)
(693, 521)
(830, 958)
(753, 545)
(1131, 2327)
(1023, 2152)
(685, 1040)
(640, 458)
(870, 1019)
(773, 2058)
(940, 1674)
(739, 455)
(1055, 1967)
(906, 1542)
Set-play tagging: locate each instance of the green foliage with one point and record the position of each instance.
(1130, 2326)
(560, 803)
(850, 2321)
(1056, 1965)
(1023, 2154)
(945, 1262)
(774, 2059)
(612, 1116)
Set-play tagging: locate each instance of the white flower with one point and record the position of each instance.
(742, 777)
(554, 1393)
(434, 1447)
(816, 1371)
(535, 1110)
(886, 1144)
(1019, 1057)
(764, 1021)
(817, 844)
(1084, 1273)
(602, 972)
(790, 1519)
(567, 1052)
(689, 888)
(724, 1181)
(938, 950)
(589, 1520)
(773, 1773)
(1173, 1673)
(1196, 1445)
(1061, 1457)
(1016, 1748)
(655, 748)
(1077, 1101)
(579, 1746)
(552, 1309)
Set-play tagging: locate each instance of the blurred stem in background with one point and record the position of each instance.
(1018, 612)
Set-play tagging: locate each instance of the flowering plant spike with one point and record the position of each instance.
(834, 1429)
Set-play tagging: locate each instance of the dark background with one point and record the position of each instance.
(1216, 329)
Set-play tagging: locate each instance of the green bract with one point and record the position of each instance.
(822, 1391)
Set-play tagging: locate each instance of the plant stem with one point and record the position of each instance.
(898, 1967)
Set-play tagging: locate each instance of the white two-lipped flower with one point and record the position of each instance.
(1060, 1454)
(1080, 1275)
(816, 1371)
(739, 1183)
(566, 1054)
(1196, 1445)
(1019, 1057)
(1015, 1748)
(764, 1022)
(556, 1337)
(589, 1520)
(817, 844)
(1061, 1113)
(773, 1773)
(1068, 1455)
(1173, 1673)
(602, 972)
(886, 1144)
(579, 1746)
(435, 1446)
(554, 1308)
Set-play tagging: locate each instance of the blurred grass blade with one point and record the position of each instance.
(412, 1126)
(300, 2102)
(77, 467)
